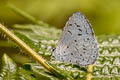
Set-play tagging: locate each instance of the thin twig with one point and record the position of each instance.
(89, 70)
(36, 56)
(24, 46)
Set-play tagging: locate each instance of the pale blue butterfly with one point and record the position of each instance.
(77, 43)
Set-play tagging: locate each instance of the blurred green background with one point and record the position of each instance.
(104, 15)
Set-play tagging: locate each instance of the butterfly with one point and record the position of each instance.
(77, 43)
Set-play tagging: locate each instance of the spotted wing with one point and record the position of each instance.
(77, 43)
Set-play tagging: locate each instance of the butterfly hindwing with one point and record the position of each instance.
(77, 43)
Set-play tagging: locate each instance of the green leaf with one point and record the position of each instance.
(108, 61)
(9, 68)
(24, 74)
(37, 37)
(106, 66)
(37, 32)
(39, 72)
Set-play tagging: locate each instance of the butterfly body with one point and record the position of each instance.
(77, 43)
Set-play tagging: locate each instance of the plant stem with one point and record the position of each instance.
(25, 15)
(89, 70)
(25, 47)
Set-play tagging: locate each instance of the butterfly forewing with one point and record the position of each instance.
(77, 43)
